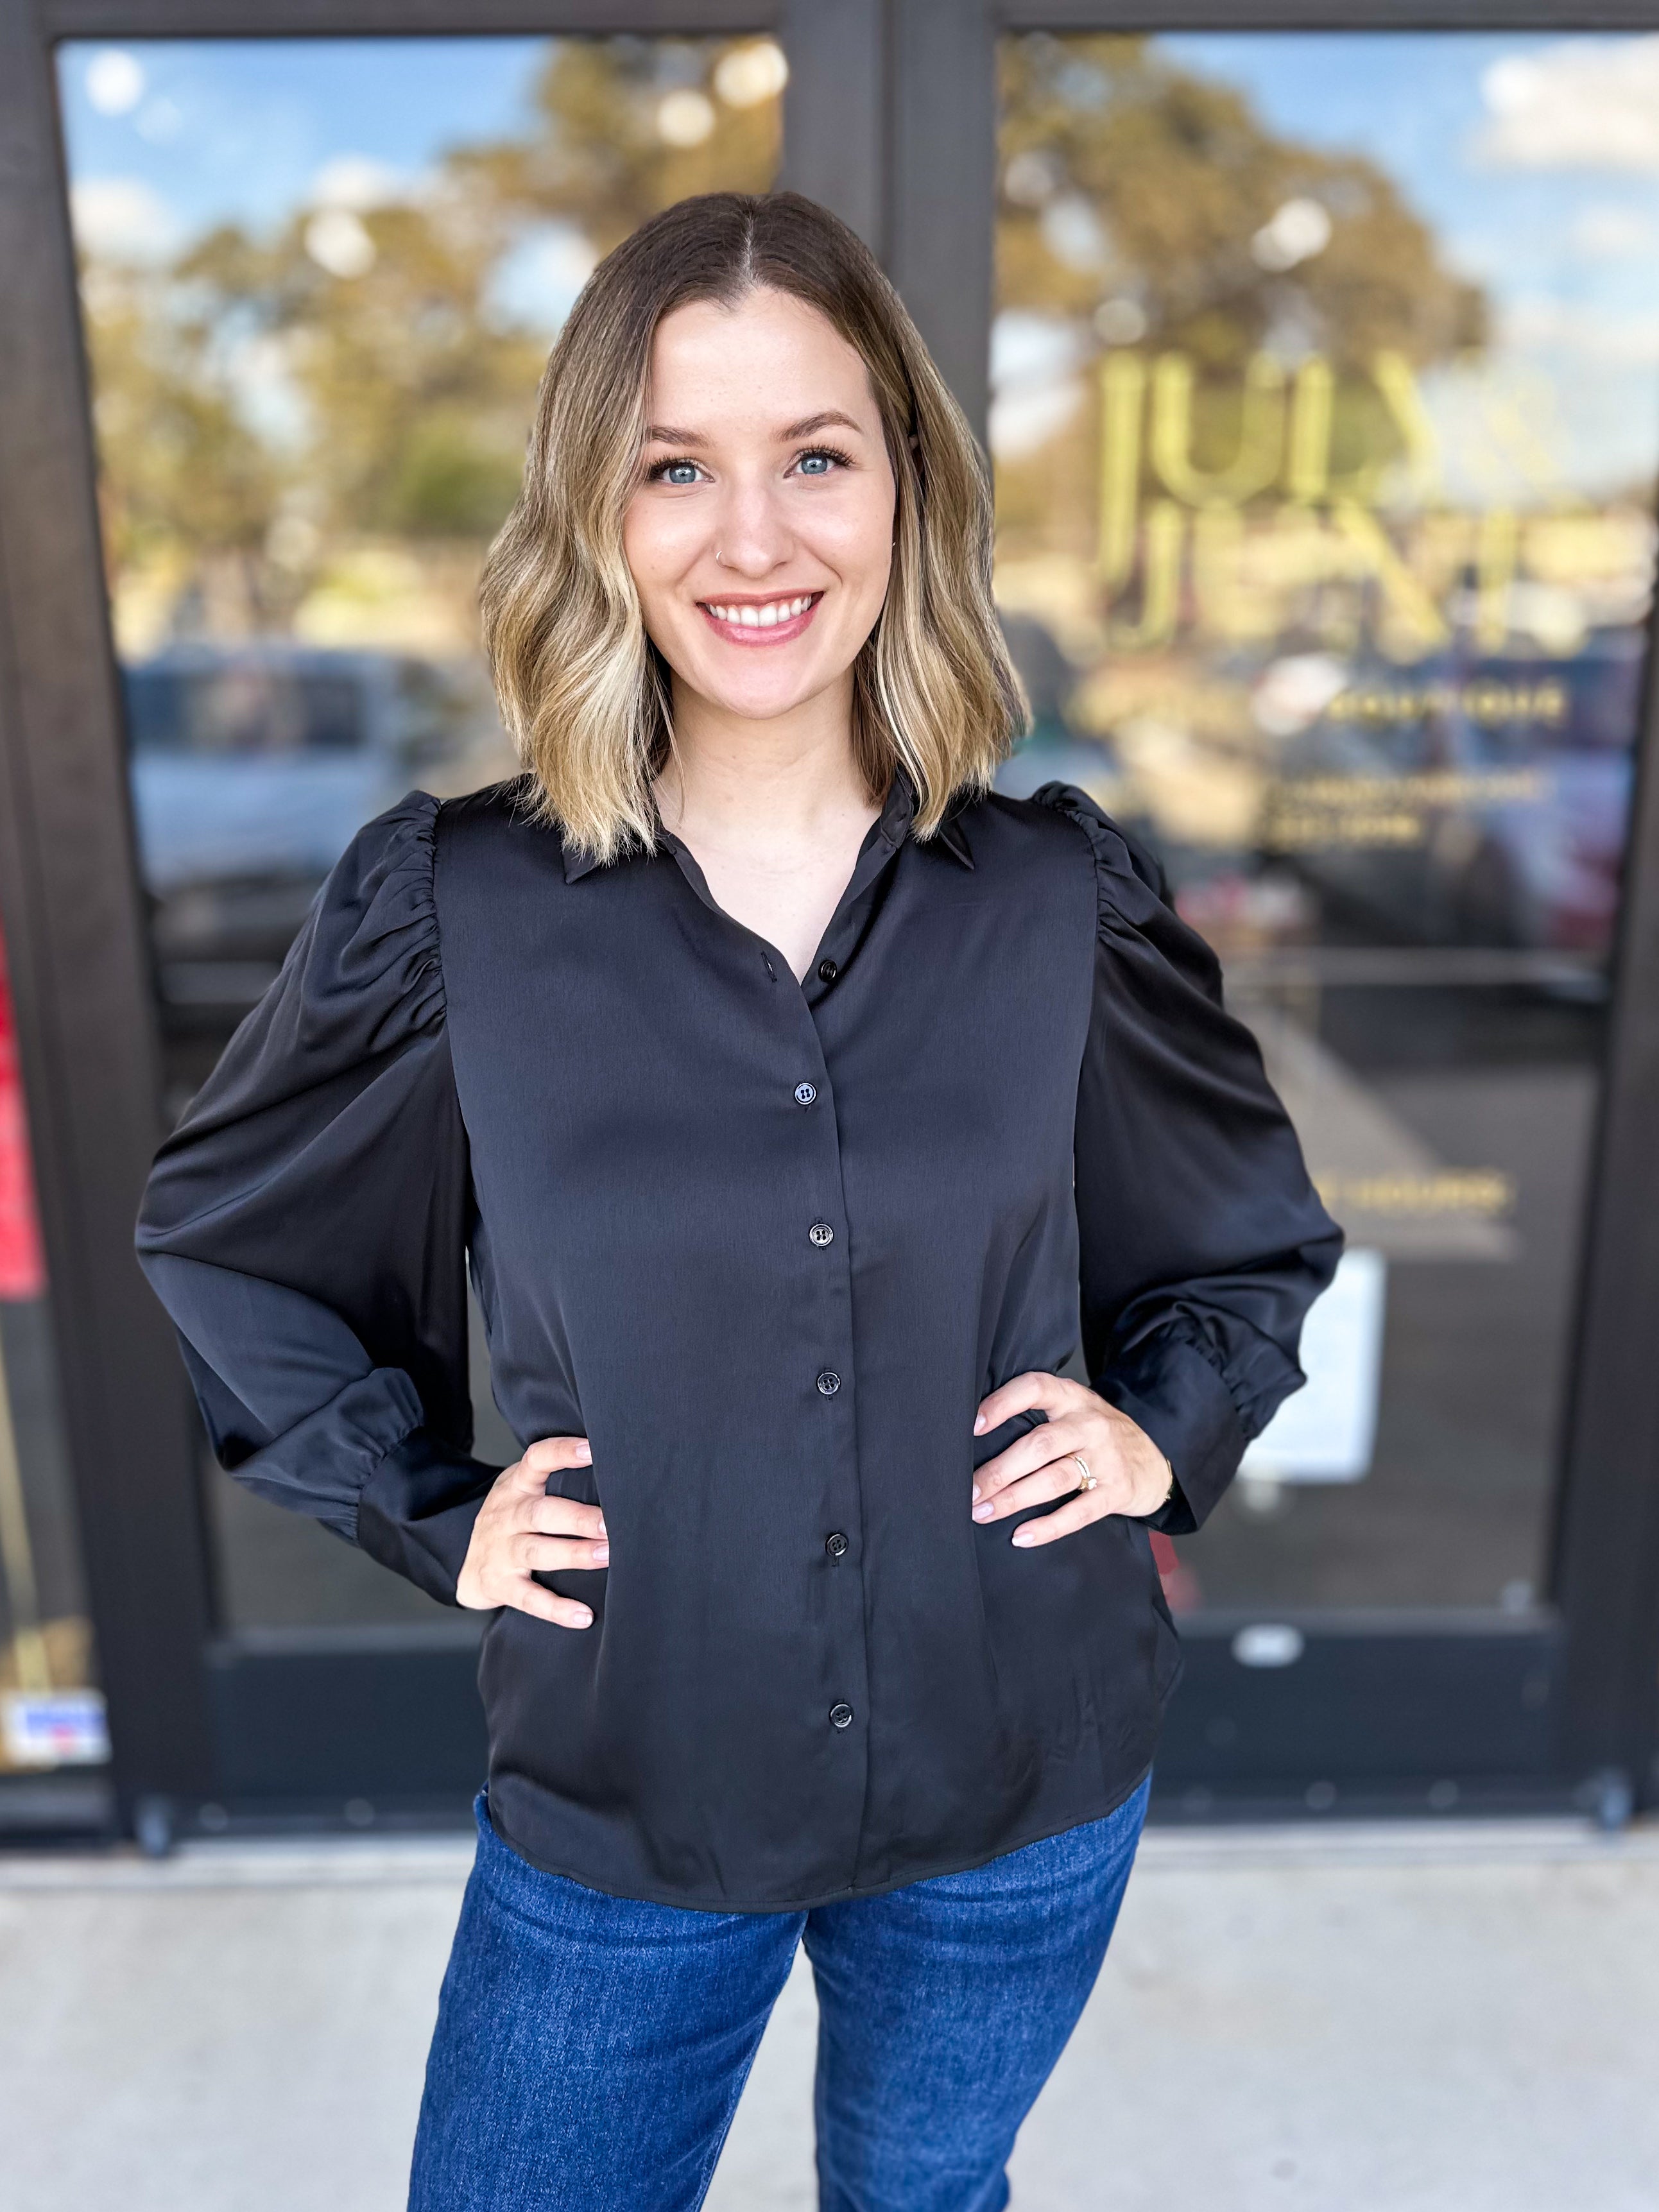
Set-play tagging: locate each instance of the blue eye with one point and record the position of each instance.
(676, 472)
(820, 461)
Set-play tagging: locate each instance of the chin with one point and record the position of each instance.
(743, 707)
(762, 702)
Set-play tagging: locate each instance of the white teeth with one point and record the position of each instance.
(762, 617)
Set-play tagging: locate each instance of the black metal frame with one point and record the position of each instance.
(890, 118)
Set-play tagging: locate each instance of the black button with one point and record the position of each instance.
(835, 1544)
(820, 1234)
(841, 1716)
(805, 1093)
(828, 971)
(828, 1383)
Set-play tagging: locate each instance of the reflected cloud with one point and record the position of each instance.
(1604, 335)
(123, 219)
(114, 81)
(1583, 104)
(358, 182)
(1035, 387)
(1609, 232)
(537, 283)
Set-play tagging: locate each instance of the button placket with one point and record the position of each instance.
(841, 1657)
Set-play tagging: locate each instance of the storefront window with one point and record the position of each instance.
(51, 1714)
(1326, 424)
(318, 281)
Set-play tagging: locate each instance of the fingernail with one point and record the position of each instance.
(587, 1619)
(979, 1425)
(984, 1512)
(583, 1455)
(603, 1531)
(601, 1555)
(978, 1493)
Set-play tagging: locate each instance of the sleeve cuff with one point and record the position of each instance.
(415, 1512)
(1168, 1387)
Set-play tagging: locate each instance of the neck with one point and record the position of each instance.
(773, 782)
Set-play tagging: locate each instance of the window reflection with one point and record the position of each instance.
(51, 1714)
(1325, 419)
(318, 279)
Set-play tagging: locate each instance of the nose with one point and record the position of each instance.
(751, 533)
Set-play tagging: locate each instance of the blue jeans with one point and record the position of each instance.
(589, 2051)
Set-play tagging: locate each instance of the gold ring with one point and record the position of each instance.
(1088, 1481)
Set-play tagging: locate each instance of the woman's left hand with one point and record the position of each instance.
(1131, 1474)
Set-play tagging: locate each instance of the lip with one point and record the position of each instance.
(776, 634)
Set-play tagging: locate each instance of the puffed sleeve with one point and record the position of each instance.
(306, 1225)
(1203, 1243)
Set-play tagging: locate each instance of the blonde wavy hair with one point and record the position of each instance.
(582, 689)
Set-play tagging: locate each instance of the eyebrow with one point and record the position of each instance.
(667, 434)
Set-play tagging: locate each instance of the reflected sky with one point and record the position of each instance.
(223, 130)
(1537, 158)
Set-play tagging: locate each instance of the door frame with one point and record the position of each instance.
(890, 119)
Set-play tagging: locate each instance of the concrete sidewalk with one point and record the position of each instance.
(1435, 2018)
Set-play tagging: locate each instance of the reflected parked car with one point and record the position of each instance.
(251, 768)
(1472, 801)
(1055, 751)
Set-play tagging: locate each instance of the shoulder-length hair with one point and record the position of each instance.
(581, 689)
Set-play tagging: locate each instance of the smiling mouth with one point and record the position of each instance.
(761, 621)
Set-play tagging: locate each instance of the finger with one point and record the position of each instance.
(1054, 1440)
(563, 1516)
(548, 1605)
(547, 1455)
(552, 1555)
(1025, 1394)
(1058, 1480)
(1064, 1520)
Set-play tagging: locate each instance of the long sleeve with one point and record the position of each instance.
(306, 1225)
(1202, 1241)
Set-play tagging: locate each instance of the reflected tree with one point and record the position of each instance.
(362, 372)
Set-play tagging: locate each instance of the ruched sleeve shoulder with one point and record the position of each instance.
(307, 1223)
(1203, 1243)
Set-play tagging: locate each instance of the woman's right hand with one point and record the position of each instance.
(520, 1531)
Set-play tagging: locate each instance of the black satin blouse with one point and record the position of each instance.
(1009, 1091)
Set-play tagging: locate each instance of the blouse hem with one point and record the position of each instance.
(850, 1896)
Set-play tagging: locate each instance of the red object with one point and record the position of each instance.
(1180, 1584)
(22, 1266)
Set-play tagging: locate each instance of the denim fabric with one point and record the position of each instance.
(590, 2050)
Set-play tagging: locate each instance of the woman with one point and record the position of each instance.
(782, 1087)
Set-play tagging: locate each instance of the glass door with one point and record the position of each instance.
(1325, 419)
(317, 279)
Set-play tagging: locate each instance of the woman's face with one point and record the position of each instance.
(760, 533)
